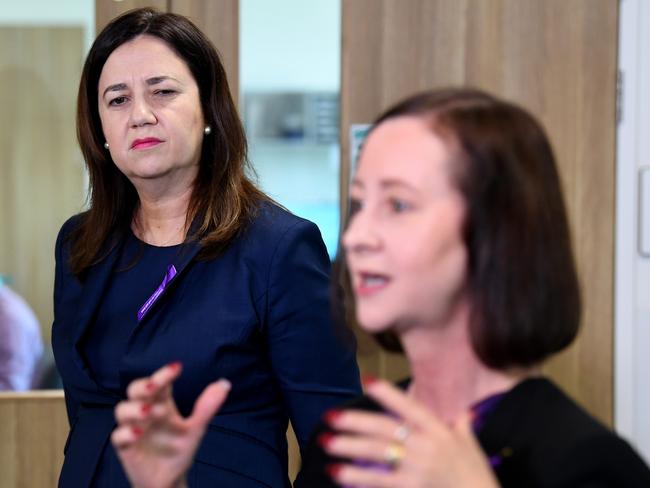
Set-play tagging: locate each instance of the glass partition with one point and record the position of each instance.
(42, 179)
(289, 72)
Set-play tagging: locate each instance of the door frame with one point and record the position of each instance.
(631, 341)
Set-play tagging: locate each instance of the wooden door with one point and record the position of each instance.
(556, 58)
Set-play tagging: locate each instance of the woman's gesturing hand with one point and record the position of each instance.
(412, 449)
(155, 444)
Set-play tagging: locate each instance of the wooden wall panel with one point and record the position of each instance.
(556, 58)
(41, 168)
(219, 20)
(33, 431)
(106, 10)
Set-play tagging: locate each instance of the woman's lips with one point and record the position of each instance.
(370, 283)
(145, 143)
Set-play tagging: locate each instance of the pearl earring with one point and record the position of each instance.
(106, 145)
(207, 130)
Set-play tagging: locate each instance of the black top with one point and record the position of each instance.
(542, 439)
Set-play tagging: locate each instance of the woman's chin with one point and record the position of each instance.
(373, 324)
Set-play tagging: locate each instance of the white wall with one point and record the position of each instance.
(290, 45)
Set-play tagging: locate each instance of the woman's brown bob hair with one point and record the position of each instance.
(223, 198)
(521, 273)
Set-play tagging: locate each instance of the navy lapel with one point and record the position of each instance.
(186, 255)
(94, 287)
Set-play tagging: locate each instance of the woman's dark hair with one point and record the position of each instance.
(223, 198)
(521, 273)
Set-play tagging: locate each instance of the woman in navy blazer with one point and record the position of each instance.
(181, 258)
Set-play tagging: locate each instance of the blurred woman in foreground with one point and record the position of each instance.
(458, 253)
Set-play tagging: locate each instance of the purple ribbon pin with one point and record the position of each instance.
(171, 272)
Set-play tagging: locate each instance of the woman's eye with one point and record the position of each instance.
(355, 206)
(164, 92)
(398, 205)
(117, 101)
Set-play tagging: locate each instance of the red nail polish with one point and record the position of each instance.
(146, 408)
(333, 470)
(150, 386)
(368, 380)
(137, 431)
(175, 366)
(325, 439)
(331, 416)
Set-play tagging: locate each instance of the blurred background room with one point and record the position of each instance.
(306, 73)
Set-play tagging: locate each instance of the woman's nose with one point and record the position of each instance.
(361, 233)
(142, 113)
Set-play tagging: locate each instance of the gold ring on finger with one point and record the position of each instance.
(394, 454)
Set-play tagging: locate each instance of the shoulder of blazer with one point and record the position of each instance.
(270, 226)
(273, 220)
(536, 411)
(62, 252)
(68, 227)
(538, 432)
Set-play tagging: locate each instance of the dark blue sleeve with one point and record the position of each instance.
(313, 360)
(60, 270)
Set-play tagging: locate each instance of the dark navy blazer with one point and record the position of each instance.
(258, 315)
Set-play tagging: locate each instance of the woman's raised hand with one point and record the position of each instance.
(412, 449)
(155, 444)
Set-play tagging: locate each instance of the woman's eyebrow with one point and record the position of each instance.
(154, 80)
(386, 184)
(395, 183)
(115, 87)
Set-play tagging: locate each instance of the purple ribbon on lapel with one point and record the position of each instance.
(171, 272)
